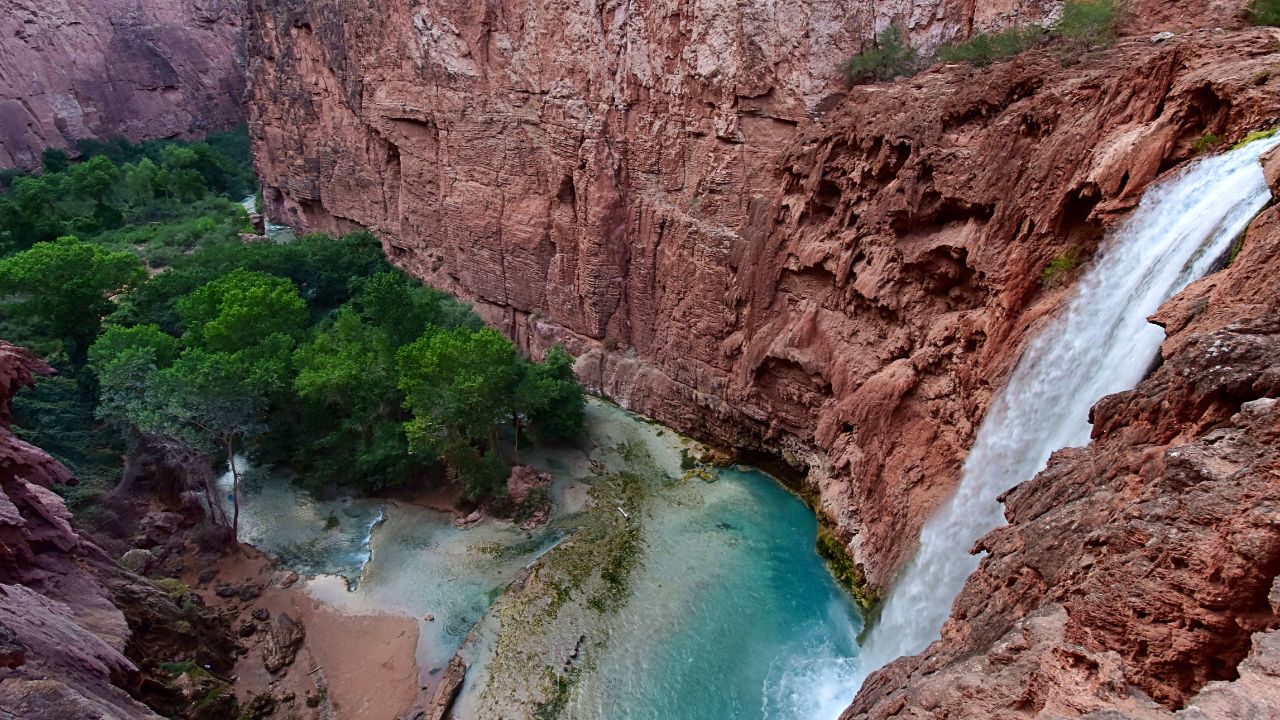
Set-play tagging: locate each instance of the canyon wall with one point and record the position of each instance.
(685, 195)
(80, 69)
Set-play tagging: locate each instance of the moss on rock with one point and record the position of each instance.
(848, 572)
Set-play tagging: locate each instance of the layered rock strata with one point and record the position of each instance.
(74, 69)
(726, 239)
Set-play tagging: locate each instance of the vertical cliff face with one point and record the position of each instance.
(686, 197)
(75, 69)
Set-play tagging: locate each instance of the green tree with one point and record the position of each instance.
(54, 160)
(551, 397)
(67, 285)
(889, 58)
(139, 182)
(353, 412)
(35, 218)
(403, 308)
(115, 340)
(241, 310)
(1264, 12)
(459, 382)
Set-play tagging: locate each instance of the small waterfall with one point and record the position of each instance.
(1100, 344)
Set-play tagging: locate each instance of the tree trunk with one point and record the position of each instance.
(515, 420)
(235, 488)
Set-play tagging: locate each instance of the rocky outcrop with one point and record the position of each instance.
(726, 239)
(74, 69)
(1138, 575)
(81, 636)
(67, 638)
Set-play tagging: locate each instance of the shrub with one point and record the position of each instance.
(1264, 12)
(538, 499)
(1088, 24)
(1058, 268)
(1207, 142)
(982, 49)
(54, 160)
(891, 57)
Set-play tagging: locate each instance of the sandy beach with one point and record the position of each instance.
(360, 666)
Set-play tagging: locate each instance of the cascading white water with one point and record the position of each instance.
(1101, 344)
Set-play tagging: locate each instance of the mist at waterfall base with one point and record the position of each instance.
(1101, 343)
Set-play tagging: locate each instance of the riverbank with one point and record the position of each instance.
(345, 666)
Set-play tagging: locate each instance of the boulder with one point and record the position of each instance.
(524, 480)
(137, 560)
(284, 638)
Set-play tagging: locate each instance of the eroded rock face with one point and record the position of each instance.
(1138, 575)
(726, 239)
(75, 69)
(52, 603)
(80, 635)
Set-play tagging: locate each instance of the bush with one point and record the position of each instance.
(891, 57)
(1207, 142)
(1264, 12)
(1088, 24)
(1059, 267)
(982, 49)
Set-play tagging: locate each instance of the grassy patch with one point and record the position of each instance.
(174, 587)
(982, 49)
(558, 687)
(889, 58)
(1234, 252)
(1254, 137)
(1206, 143)
(1059, 267)
(178, 668)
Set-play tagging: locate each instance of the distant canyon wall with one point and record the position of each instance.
(686, 196)
(80, 69)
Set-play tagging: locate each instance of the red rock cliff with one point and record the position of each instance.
(76, 69)
(686, 197)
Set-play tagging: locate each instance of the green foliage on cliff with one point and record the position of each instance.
(1059, 268)
(982, 49)
(889, 58)
(1089, 24)
(1264, 12)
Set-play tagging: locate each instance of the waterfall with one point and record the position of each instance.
(1100, 344)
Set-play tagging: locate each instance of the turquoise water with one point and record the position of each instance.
(733, 616)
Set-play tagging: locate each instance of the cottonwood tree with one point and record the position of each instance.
(66, 286)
